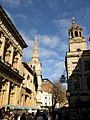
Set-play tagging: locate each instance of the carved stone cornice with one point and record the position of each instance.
(10, 73)
(9, 38)
(7, 22)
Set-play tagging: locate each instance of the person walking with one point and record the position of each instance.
(37, 114)
(45, 115)
(40, 117)
(23, 117)
(29, 116)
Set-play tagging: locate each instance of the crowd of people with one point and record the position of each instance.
(23, 115)
(7, 114)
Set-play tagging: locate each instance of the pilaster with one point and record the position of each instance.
(7, 92)
(2, 45)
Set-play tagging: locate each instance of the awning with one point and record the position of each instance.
(14, 107)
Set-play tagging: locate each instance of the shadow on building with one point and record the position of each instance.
(79, 86)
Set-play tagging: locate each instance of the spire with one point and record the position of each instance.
(35, 49)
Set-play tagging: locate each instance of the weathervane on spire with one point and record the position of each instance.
(73, 19)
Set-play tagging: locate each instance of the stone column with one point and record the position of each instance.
(12, 94)
(3, 96)
(17, 95)
(21, 102)
(7, 56)
(11, 55)
(19, 61)
(2, 45)
(15, 61)
(24, 100)
(20, 64)
(73, 33)
(7, 93)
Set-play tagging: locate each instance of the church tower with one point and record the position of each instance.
(77, 44)
(76, 61)
(37, 67)
(77, 40)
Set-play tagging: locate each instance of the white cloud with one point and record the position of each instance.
(53, 68)
(21, 16)
(52, 3)
(47, 53)
(52, 64)
(17, 3)
(62, 23)
(49, 41)
(13, 3)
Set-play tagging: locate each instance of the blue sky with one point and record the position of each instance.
(49, 20)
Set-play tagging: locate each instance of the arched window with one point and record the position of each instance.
(76, 34)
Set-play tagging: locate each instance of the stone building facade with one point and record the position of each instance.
(28, 92)
(47, 90)
(11, 46)
(78, 66)
(18, 80)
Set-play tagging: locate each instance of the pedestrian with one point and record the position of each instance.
(29, 116)
(23, 117)
(33, 115)
(19, 117)
(40, 117)
(37, 114)
(59, 114)
(45, 116)
(53, 115)
(2, 112)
